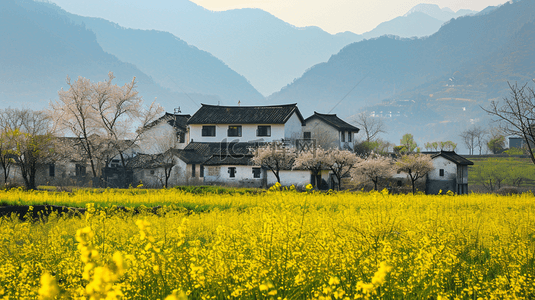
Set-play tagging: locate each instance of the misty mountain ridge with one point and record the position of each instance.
(443, 14)
(42, 45)
(433, 85)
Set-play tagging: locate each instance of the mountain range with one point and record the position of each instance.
(42, 45)
(433, 85)
(269, 52)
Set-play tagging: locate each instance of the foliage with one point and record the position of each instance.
(373, 168)
(493, 173)
(277, 244)
(416, 166)
(440, 146)
(496, 144)
(408, 143)
(378, 146)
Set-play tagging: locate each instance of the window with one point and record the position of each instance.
(80, 170)
(234, 130)
(201, 171)
(114, 163)
(307, 135)
(263, 131)
(400, 183)
(181, 137)
(193, 170)
(151, 172)
(232, 172)
(256, 172)
(441, 172)
(52, 170)
(349, 136)
(342, 136)
(208, 130)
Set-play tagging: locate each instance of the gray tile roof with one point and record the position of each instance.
(334, 121)
(215, 114)
(175, 120)
(451, 156)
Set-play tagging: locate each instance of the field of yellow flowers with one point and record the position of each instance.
(270, 245)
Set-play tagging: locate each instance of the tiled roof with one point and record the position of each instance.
(334, 121)
(233, 160)
(215, 114)
(175, 120)
(451, 156)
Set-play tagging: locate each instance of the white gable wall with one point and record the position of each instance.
(293, 129)
(298, 178)
(449, 167)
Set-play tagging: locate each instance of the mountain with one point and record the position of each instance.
(442, 14)
(170, 61)
(433, 85)
(41, 46)
(269, 52)
(422, 20)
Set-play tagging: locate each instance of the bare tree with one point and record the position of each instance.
(370, 126)
(516, 114)
(373, 169)
(340, 162)
(416, 166)
(275, 157)
(473, 138)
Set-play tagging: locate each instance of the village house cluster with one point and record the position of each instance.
(215, 146)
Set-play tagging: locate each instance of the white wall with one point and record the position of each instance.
(293, 129)
(449, 167)
(160, 138)
(299, 178)
(248, 133)
(243, 176)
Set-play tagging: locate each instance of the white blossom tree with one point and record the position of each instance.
(373, 168)
(416, 166)
(103, 109)
(340, 162)
(313, 160)
(275, 157)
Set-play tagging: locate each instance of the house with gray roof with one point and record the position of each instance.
(329, 131)
(450, 173)
(215, 124)
(168, 131)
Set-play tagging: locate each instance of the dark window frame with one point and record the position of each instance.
(441, 172)
(193, 166)
(201, 171)
(238, 132)
(208, 130)
(232, 172)
(343, 136)
(52, 170)
(261, 128)
(307, 135)
(257, 172)
(349, 137)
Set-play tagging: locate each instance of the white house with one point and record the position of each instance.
(214, 123)
(450, 173)
(169, 131)
(329, 131)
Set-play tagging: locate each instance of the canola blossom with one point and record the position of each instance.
(270, 245)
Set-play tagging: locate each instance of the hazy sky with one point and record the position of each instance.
(333, 16)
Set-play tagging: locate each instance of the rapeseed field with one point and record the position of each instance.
(269, 245)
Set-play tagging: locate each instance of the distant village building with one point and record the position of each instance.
(450, 173)
(329, 131)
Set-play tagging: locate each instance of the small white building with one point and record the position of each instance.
(329, 131)
(450, 173)
(169, 131)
